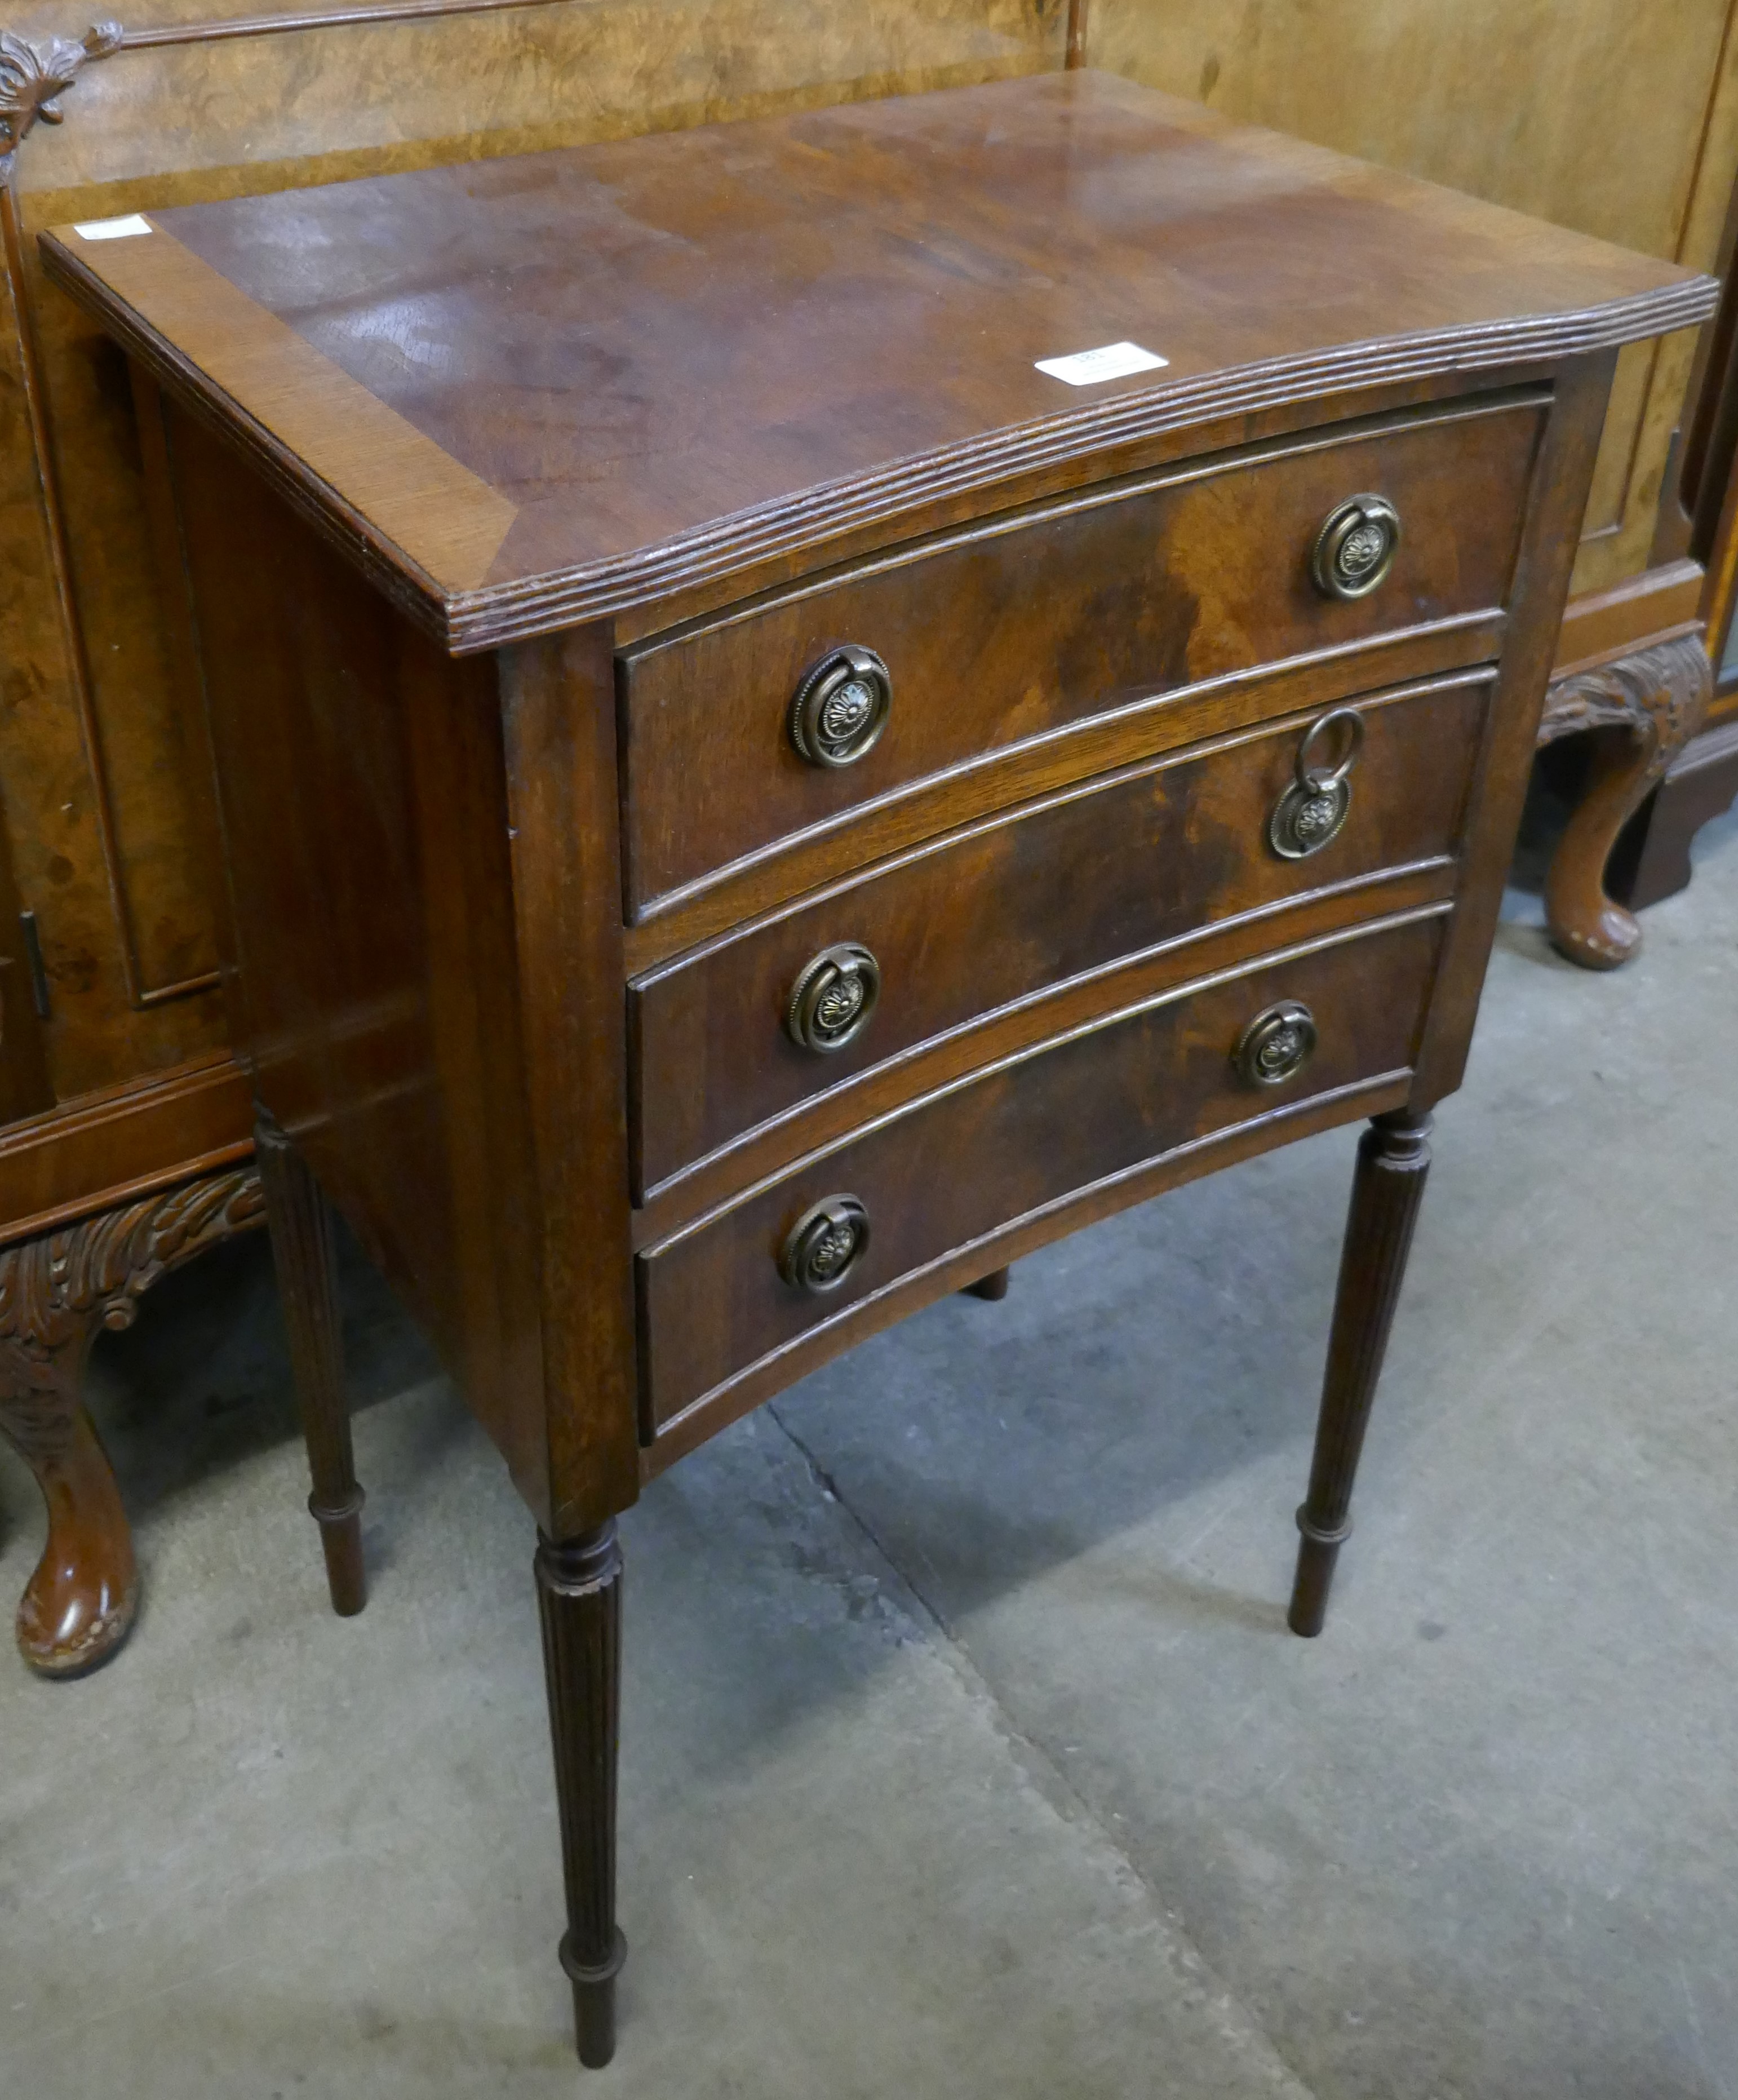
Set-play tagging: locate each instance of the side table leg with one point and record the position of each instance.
(1393, 1160)
(300, 1231)
(579, 1600)
(1660, 696)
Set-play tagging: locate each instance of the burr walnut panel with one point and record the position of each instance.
(1015, 907)
(1013, 632)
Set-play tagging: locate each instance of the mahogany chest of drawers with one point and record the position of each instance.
(801, 708)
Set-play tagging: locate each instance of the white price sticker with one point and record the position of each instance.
(1091, 367)
(113, 229)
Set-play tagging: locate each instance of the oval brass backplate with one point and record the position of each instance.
(841, 706)
(1356, 547)
(833, 997)
(1276, 1044)
(825, 1245)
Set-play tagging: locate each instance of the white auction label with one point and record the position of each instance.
(1088, 368)
(113, 229)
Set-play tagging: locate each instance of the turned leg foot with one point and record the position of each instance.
(579, 1598)
(301, 1250)
(1393, 1160)
(994, 1286)
(1659, 697)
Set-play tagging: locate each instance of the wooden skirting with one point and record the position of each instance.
(106, 1149)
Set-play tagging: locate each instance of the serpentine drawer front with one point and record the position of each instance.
(1012, 1144)
(1019, 629)
(803, 707)
(976, 922)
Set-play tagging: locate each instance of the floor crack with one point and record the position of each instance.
(1041, 1767)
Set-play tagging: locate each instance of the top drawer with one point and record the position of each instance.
(1023, 627)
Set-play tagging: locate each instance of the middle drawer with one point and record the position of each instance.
(746, 1031)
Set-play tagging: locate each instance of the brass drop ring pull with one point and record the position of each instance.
(1276, 1044)
(1355, 549)
(1316, 804)
(841, 706)
(825, 1245)
(833, 997)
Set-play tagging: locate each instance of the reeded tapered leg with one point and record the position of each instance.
(1393, 1159)
(994, 1286)
(578, 1599)
(300, 1231)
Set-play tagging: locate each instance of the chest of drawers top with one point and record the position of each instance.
(647, 378)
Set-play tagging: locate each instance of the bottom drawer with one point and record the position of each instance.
(747, 1282)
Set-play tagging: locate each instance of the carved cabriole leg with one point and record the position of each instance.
(579, 1599)
(79, 1605)
(1393, 1160)
(55, 1293)
(301, 1250)
(994, 1286)
(1660, 696)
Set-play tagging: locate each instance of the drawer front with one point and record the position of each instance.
(1024, 628)
(1016, 1138)
(980, 921)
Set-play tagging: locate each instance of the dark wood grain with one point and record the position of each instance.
(1014, 1138)
(738, 339)
(579, 1598)
(1205, 951)
(1646, 705)
(57, 1292)
(789, 366)
(1026, 626)
(1393, 1160)
(1562, 468)
(973, 922)
(985, 782)
(301, 1250)
(363, 797)
(559, 725)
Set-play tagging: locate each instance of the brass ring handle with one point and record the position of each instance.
(841, 706)
(1316, 804)
(1356, 547)
(833, 997)
(825, 1245)
(1276, 1044)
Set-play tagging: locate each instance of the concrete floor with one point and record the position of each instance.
(965, 1751)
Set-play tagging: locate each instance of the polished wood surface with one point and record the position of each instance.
(579, 1597)
(58, 1291)
(703, 326)
(301, 1249)
(1020, 1136)
(447, 1000)
(1650, 703)
(107, 804)
(1393, 1160)
(1019, 630)
(1006, 910)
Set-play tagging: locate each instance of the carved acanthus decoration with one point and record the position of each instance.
(56, 1291)
(1660, 696)
(34, 77)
